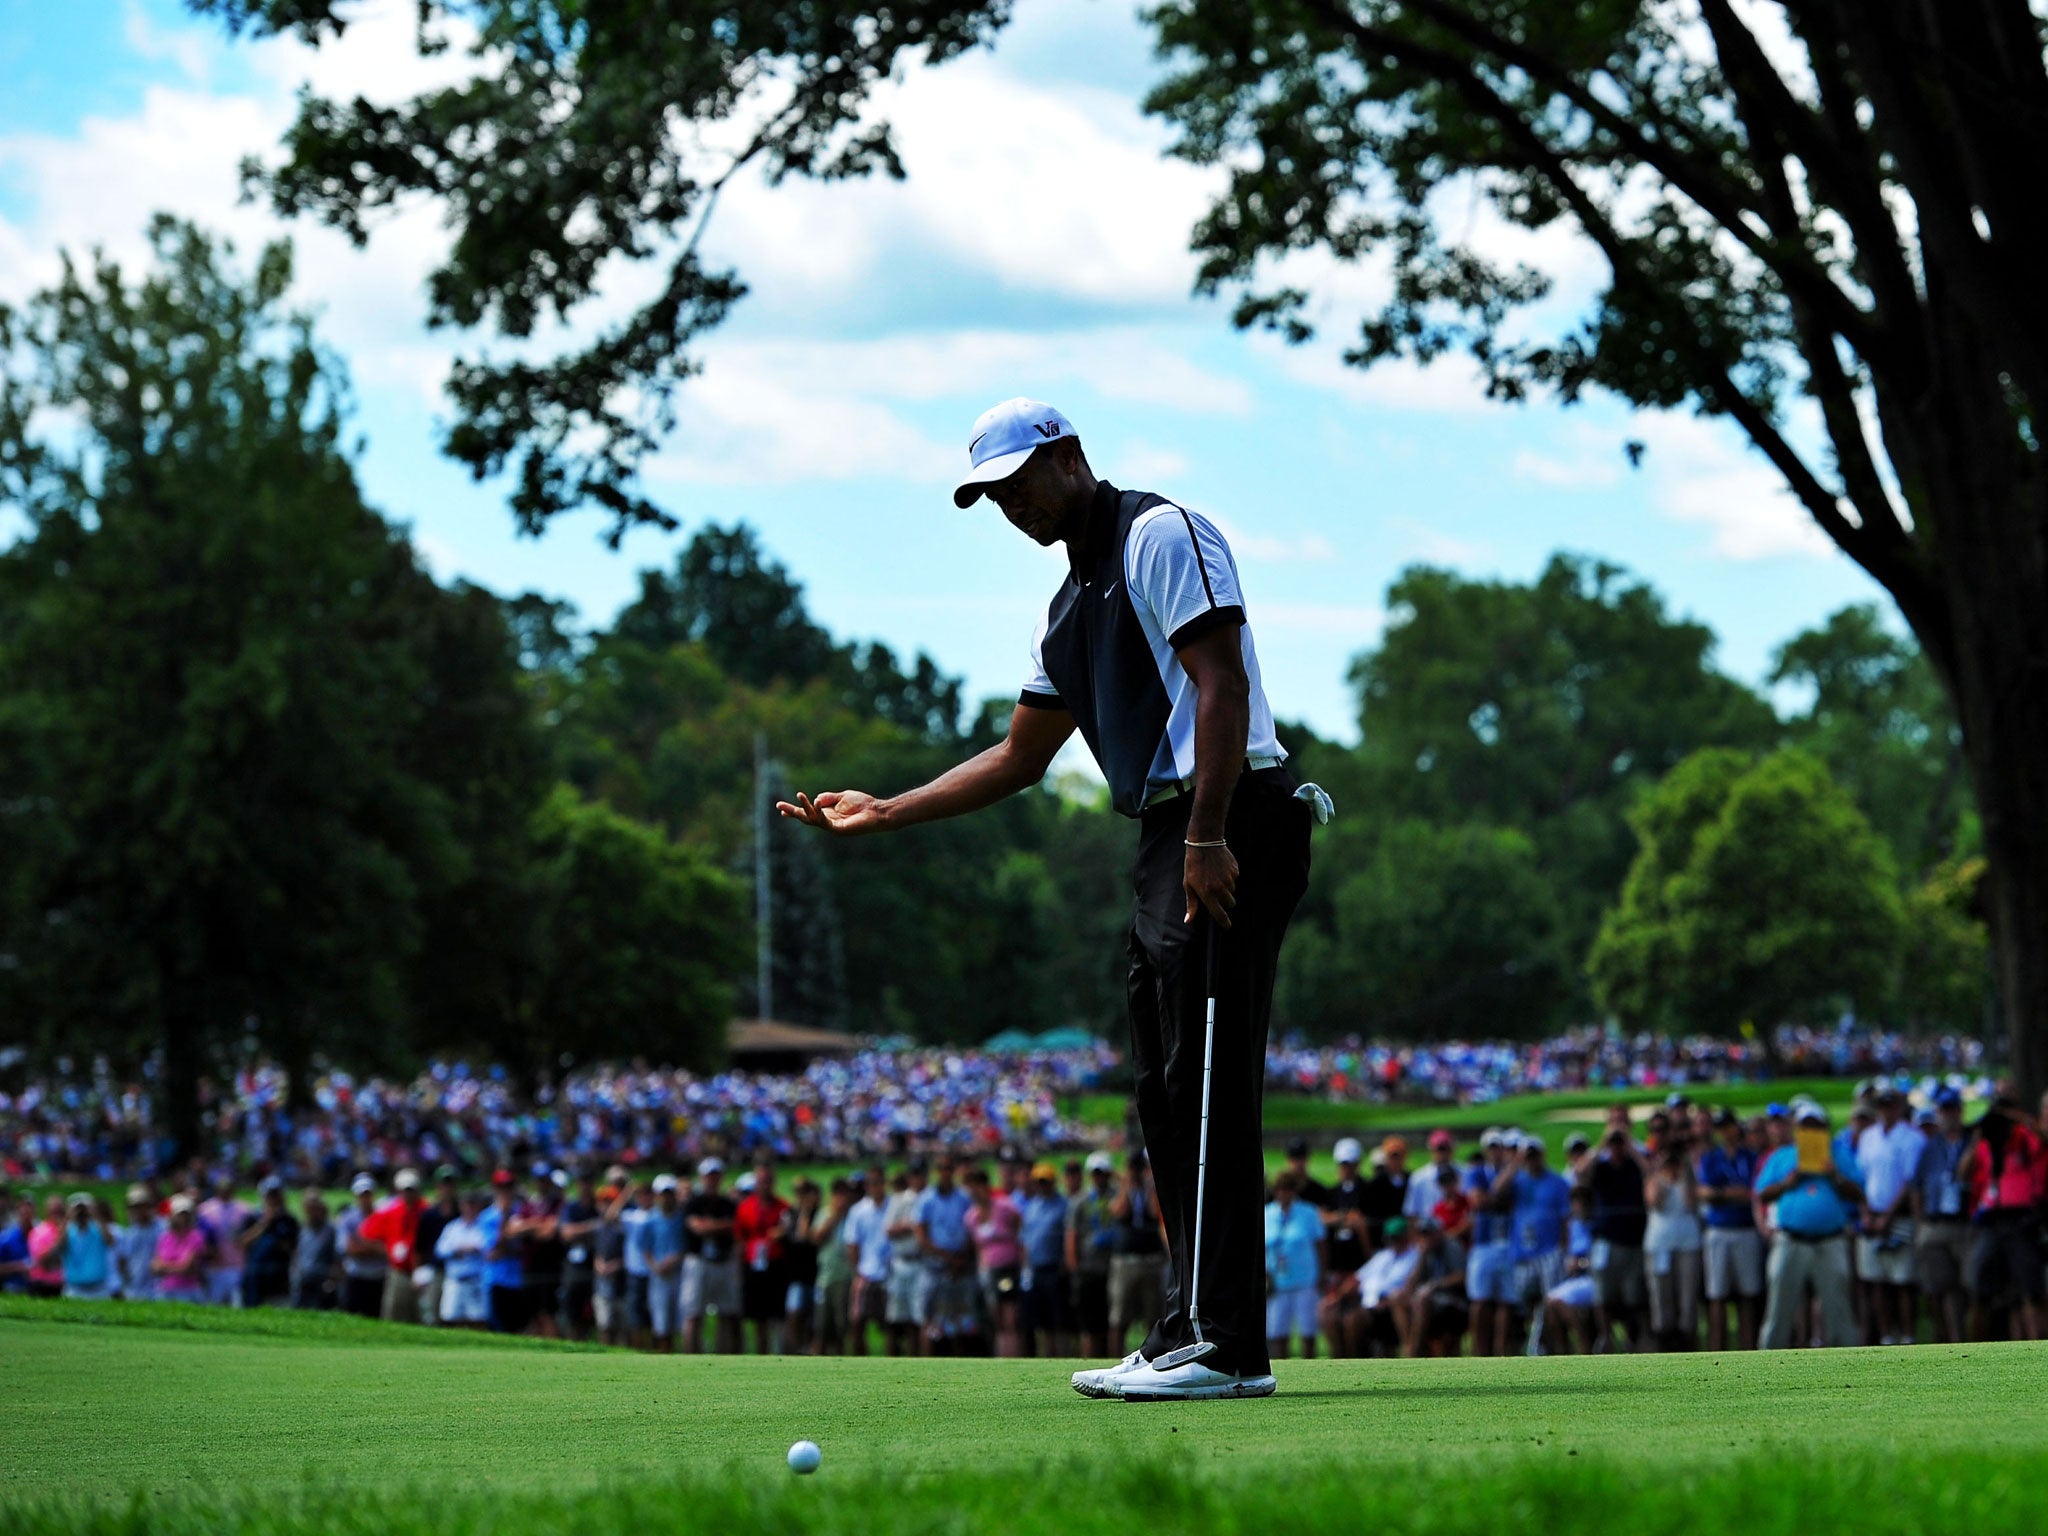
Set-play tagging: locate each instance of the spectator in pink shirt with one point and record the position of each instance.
(996, 1226)
(180, 1263)
(46, 1251)
(225, 1219)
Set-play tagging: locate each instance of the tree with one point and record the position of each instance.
(589, 133)
(1829, 199)
(1880, 722)
(1541, 708)
(633, 943)
(1761, 896)
(1447, 932)
(251, 758)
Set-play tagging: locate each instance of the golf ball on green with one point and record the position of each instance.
(804, 1457)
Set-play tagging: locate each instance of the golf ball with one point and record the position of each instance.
(804, 1457)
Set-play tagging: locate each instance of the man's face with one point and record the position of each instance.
(1950, 1117)
(712, 1181)
(764, 1179)
(1039, 499)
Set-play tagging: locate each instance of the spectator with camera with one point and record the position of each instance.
(1614, 1178)
(1889, 1154)
(1673, 1239)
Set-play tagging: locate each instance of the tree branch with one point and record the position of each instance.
(1721, 200)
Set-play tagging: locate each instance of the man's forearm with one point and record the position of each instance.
(1223, 723)
(974, 785)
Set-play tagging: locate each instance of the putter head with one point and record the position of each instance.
(1187, 1354)
(1320, 805)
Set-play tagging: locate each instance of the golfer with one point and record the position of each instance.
(1145, 648)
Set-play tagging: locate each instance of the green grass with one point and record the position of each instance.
(268, 1424)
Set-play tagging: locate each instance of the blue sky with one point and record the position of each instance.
(1039, 248)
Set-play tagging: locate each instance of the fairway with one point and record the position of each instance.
(206, 1422)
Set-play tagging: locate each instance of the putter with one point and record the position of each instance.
(1187, 1354)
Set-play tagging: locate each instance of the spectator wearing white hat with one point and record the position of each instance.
(394, 1226)
(660, 1237)
(87, 1252)
(135, 1246)
(1091, 1240)
(1814, 1199)
(1346, 1227)
(362, 1258)
(180, 1262)
(711, 1270)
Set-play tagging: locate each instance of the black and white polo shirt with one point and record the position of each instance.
(1150, 577)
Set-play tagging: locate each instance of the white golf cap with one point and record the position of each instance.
(709, 1166)
(362, 1185)
(1004, 437)
(1349, 1151)
(1101, 1162)
(664, 1182)
(407, 1179)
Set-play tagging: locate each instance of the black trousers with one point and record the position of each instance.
(1268, 831)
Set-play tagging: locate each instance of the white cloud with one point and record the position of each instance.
(186, 47)
(1704, 471)
(1273, 548)
(1060, 190)
(1582, 472)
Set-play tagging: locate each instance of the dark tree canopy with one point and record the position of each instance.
(590, 132)
(254, 762)
(1819, 219)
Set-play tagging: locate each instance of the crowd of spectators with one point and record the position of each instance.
(90, 1123)
(1478, 1072)
(1774, 1230)
(1778, 1229)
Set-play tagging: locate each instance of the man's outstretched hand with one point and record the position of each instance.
(848, 812)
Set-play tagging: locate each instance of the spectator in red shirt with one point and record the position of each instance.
(2007, 1174)
(395, 1226)
(759, 1230)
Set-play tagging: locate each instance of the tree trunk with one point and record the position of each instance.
(2002, 689)
(1989, 542)
(183, 1037)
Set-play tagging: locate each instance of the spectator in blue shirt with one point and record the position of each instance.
(1734, 1247)
(14, 1260)
(1294, 1267)
(1490, 1266)
(1048, 1311)
(950, 1298)
(1940, 1205)
(506, 1272)
(1541, 1213)
(660, 1239)
(1815, 1210)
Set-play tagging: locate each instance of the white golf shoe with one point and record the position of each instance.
(1186, 1383)
(1096, 1383)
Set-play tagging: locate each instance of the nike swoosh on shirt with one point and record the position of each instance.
(1110, 590)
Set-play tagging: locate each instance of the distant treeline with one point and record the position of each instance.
(265, 783)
